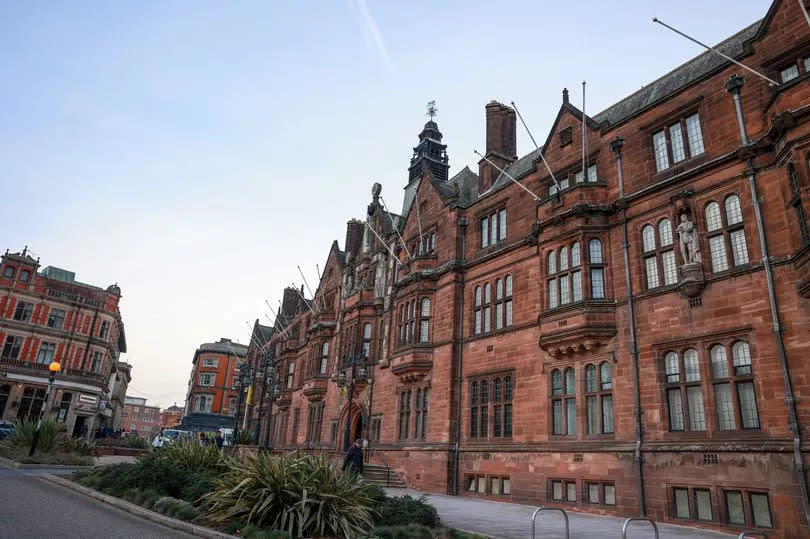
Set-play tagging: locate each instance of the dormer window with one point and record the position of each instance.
(25, 275)
(8, 273)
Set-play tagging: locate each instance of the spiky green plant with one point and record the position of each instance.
(243, 437)
(24, 432)
(188, 454)
(306, 496)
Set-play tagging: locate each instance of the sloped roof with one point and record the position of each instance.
(224, 346)
(262, 334)
(678, 78)
(664, 87)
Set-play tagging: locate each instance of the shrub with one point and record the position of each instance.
(133, 442)
(243, 437)
(190, 455)
(411, 531)
(20, 454)
(305, 496)
(401, 511)
(80, 446)
(24, 433)
(251, 532)
(150, 472)
(175, 508)
(377, 494)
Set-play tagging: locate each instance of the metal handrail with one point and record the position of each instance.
(638, 519)
(298, 448)
(541, 508)
(747, 533)
(387, 467)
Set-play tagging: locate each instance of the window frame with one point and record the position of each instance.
(725, 231)
(686, 143)
(493, 227)
(600, 394)
(25, 310)
(682, 386)
(563, 396)
(12, 346)
(562, 272)
(798, 206)
(53, 315)
(657, 254)
(486, 404)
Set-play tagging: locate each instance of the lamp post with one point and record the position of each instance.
(359, 360)
(265, 360)
(242, 382)
(274, 381)
(53, 368)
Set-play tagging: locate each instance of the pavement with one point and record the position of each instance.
(114, 459)
(501, 520)
(37, 509)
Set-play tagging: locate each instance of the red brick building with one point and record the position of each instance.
(629, 341)
(139, 419)
(171, 417)
(48, 316)
(213, 394)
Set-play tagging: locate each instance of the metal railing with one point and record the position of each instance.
(387, 467)
(297, 449)
(638, 519)
(564, 514)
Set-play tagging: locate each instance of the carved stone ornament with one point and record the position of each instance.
(688, 240)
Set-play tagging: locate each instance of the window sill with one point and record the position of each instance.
(681, 166)
(557, 199)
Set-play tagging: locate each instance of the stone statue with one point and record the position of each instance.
(687, 236)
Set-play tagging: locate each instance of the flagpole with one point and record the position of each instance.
(508, 176)
(395, 227)
(526, 127)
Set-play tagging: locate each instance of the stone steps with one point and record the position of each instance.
(376, 475)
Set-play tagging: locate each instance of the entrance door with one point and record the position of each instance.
(79, 425)
(4, 393)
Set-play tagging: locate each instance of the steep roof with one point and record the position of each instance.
(678, 78)
(224, 346)
(664, 87)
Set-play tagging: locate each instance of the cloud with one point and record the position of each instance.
(374, 33)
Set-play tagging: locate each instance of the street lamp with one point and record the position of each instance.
(274, 381)
(53, 368)
(359, 360)
(241, 383)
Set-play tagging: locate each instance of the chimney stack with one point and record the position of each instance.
(501, 142)
(289, 302)
(354, 236)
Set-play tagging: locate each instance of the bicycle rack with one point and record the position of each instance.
(541, 508)
(747, 533)
(638, 519)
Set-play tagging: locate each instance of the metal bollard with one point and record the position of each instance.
(638, 519)
(541, 508)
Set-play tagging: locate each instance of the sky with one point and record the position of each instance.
(197, 152)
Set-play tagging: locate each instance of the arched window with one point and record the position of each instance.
(402, 324)
(565, 284)
(25, 275)
(487, 308)
(551, 262)
(404, 414)
(726, 233)
(474, 409)
(733, 385)
(424, 321)
(597, 270)
(497, 409)
(563, 403)
(742, 358)
(659, 258)
(503, 302)
(680, 389)
(795, 201)
(366, 346)
(477, 310)
(324, 358)
(599, 399)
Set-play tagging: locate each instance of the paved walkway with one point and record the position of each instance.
(501, 520)
(114, 459)
(37, 509)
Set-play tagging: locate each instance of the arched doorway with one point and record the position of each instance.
(354, 418)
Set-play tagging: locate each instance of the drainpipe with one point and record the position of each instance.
(616, 145)
(462, 222)
(734, 86)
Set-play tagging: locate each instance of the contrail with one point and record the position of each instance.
(372, 28)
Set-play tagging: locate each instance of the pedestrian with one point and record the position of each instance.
(219, 441)
(202, 439)
(354, 458)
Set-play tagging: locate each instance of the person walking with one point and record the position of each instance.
(219, 441)
(354, 458)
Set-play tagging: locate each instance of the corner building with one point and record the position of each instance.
(631, 340)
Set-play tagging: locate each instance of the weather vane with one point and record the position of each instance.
(431, 109)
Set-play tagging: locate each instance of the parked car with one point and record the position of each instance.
(169, 436)
(6, 428)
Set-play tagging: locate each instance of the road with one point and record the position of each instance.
(38, 509)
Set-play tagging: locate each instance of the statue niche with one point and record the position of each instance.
(692, 281)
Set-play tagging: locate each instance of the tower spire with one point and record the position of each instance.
(430, 151)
